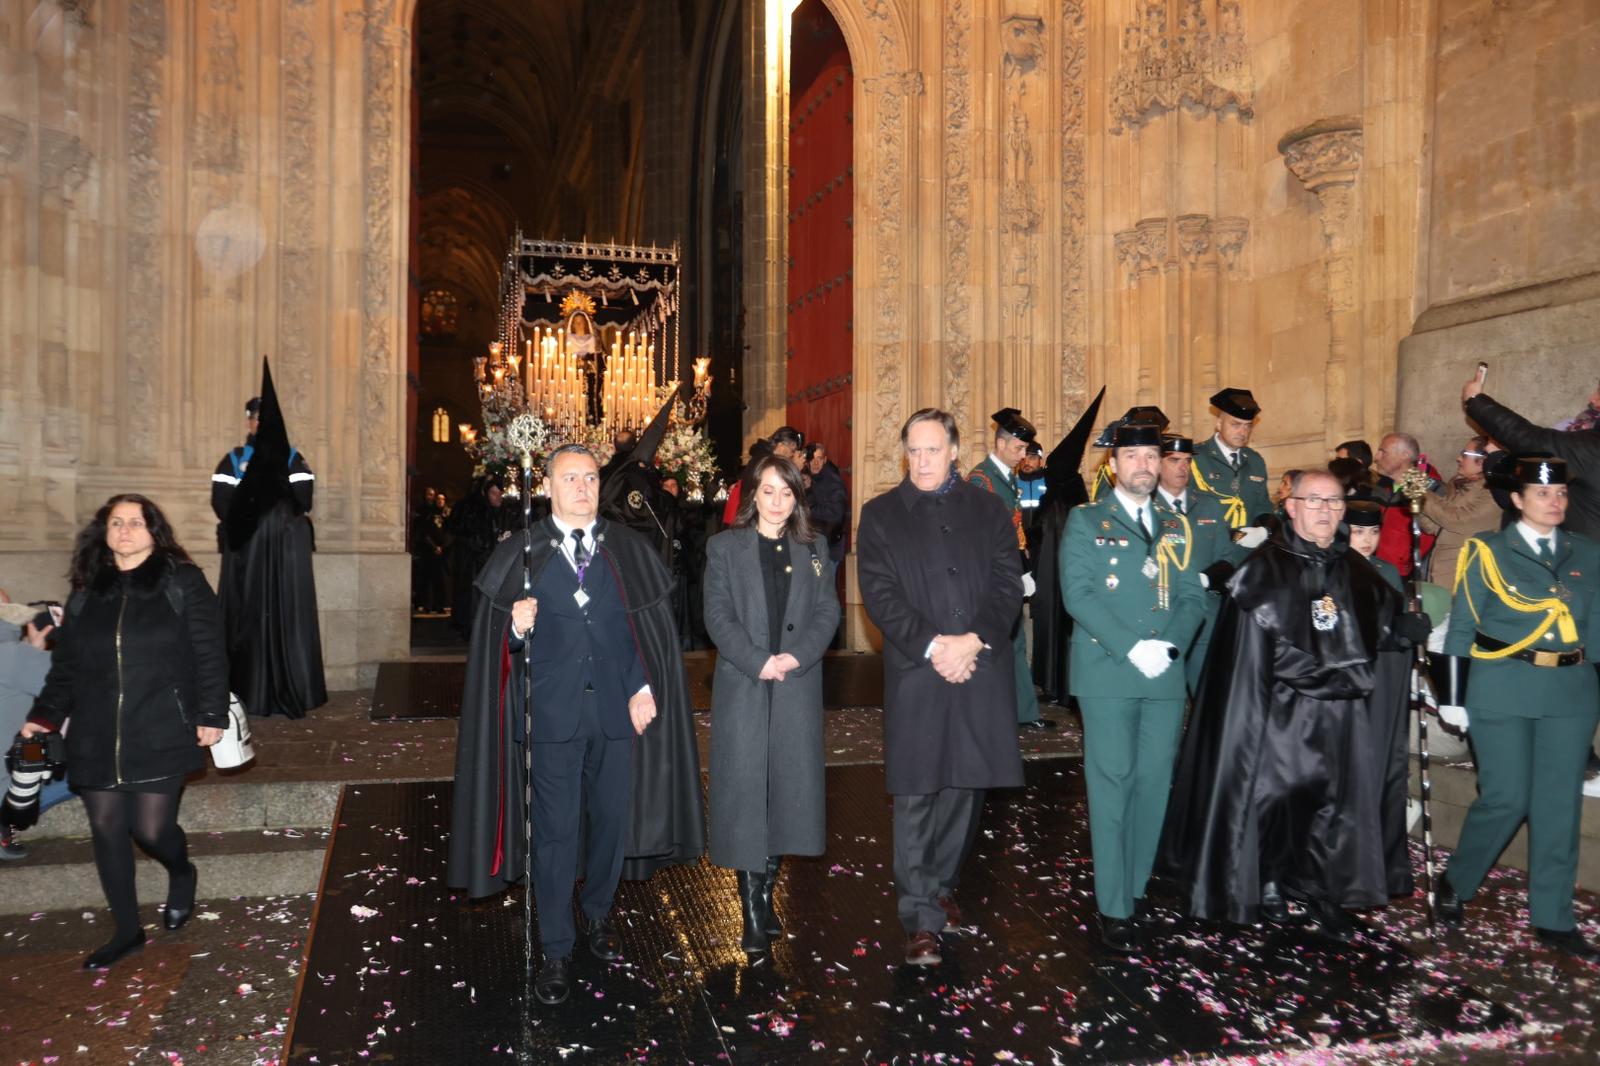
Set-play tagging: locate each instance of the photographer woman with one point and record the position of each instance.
(771, 610)
(140, 669)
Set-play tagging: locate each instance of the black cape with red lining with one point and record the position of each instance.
(667, 824)
(1287, 771)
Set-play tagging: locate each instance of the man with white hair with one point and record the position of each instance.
(1277, 796)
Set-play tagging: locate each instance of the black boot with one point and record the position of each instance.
(1335, 922)
(754, 941)
(1447, 903)
(1274, 908)
(769, 916)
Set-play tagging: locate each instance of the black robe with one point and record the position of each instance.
(667, 824)
(1277, 778)
(1052, 626)
(267, 590)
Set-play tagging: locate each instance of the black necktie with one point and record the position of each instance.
(1233, 461)
(1144, 530)
(580, 554)
(1177, 505)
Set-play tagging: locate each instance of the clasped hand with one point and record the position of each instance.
(1152, 657)
(523, 613)
(777, 666)
(956, 657)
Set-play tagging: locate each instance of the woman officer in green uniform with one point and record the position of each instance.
(1527, 606)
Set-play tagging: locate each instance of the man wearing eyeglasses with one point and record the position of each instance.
(1466, 509)
(1277, 796)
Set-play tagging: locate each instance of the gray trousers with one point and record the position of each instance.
(932, 836)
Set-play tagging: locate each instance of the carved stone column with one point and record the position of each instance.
(766, 165)
(1152, 306)
(1197, 309)
(1022, 62)
(1228, 236)
(892, 100)
(1326, 157)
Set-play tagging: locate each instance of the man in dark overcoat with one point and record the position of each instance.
(942, 580)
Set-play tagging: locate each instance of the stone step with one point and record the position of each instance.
(60, 874)
(221, 806)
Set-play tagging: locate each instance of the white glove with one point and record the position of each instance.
(1205, 582)
(1452, 715)
(1028, 585)
(1152, 657)
(1252, 536)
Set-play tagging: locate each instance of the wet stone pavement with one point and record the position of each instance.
(402, 972)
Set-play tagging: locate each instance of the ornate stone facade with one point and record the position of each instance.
(1049, 197)
(195, 209)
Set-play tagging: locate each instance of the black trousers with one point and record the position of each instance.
(586, 780)
(932, 836)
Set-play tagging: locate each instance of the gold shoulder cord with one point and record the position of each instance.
(1101, 477)
(1556, 613)
(1234, 505)
(1167, 557)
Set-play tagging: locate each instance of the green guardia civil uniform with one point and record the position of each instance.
(1531, 722)
(1241, 490)
(993, 477)
(1121, 587)
(1212, 542)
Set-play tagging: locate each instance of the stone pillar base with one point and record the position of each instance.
(363, 604)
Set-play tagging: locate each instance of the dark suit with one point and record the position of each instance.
(586, 667)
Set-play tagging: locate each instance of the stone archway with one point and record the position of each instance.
(970, 288)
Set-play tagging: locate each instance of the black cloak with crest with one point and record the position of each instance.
(1283, 774)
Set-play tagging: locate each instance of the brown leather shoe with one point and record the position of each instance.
(922, 949)
(952, 916)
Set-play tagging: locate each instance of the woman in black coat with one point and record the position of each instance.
(771, 611)
(140, 670)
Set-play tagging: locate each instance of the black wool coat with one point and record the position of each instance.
(768, 785)
(138, 665)
(934, 564)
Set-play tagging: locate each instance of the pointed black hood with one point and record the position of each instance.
(1066, 458)
(266, 478)
(637, 470)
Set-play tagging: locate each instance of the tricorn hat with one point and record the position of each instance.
(1236, 402)
(1010, 420)
(1136, 435)
(1363, 513)
(1148, 415)
(1172, 442)
(1540, 469)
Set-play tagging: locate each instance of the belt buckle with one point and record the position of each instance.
(1547, 658)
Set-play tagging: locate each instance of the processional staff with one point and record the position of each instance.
(526, 434)
(1414, 485)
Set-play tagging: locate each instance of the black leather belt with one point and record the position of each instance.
(1531, 655)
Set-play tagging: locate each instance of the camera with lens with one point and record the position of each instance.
(31, 761)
